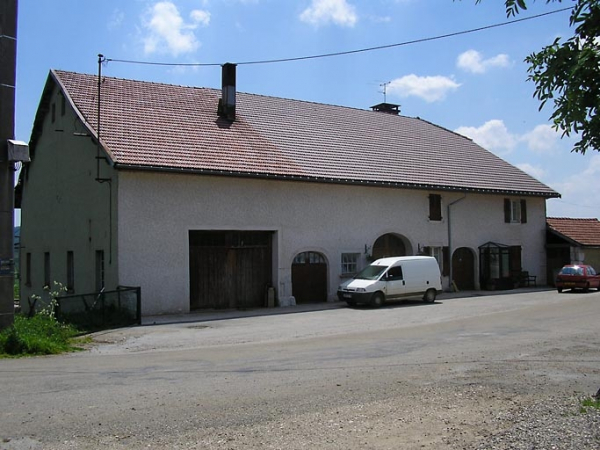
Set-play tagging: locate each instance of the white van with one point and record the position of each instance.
(393, 279)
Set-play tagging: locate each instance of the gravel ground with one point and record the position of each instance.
(463, 417)
(514, 380)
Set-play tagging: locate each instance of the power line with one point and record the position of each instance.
(348, 52)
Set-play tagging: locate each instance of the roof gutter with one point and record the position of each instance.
(344, 181)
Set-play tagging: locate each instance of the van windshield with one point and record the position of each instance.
(370, 273)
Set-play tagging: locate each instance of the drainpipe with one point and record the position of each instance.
(450, 239)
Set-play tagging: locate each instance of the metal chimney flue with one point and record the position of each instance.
(227, 102)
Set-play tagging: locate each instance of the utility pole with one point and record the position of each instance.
(8, 71)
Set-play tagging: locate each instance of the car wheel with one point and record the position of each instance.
(429, 296)
(587, 287)
(351, 303)
(559, 290)
(377, 299)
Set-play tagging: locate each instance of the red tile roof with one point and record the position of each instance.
(160, 126)
(583, 231)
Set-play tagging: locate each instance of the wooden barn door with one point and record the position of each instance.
(229, 269)
(309, 278)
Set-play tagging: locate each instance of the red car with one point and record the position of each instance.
(577, 277)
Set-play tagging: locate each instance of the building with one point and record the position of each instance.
(572, 241)
(207, 198)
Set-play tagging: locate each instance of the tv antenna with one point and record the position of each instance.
(384, 92)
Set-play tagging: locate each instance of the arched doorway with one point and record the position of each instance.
(388, 245)
(309, 278)
(463, 268)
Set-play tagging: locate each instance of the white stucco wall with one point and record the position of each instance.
(65, 209)
(157, 210)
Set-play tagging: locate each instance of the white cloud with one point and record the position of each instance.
(168, 32)
(535, 171)
(542, 139)
(492, 135)
(472, 61)
(201, 17)
(573, 203)
(322, 12)
(430, 89)
(116, 19)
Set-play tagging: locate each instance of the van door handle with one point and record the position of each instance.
(403, 283)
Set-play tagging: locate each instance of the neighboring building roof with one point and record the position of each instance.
(585, 232)
(157, 126)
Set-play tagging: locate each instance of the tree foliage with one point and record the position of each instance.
(568, 73)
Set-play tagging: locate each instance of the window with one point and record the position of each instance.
(395, 273)
(442, 257)
(350, 263)
(435, 207)
(47, 281)
(309, 258)
(70, 272)
(99, 270)
(437, 253)
(28, 269)
(515, 211)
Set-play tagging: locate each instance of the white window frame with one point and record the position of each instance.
(349, 263)
(515, 211)
(438, 254)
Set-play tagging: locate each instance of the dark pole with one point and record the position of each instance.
(8, 70)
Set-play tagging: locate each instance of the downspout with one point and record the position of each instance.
(451, 282)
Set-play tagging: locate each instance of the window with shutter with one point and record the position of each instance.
(435, 207)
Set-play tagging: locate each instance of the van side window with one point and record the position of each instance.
(395, 273)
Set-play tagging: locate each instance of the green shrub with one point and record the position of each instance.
(38, 334)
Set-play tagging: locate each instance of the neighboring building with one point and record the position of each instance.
(208, 210)
(572, 241)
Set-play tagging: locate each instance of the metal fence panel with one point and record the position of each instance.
(103, 310)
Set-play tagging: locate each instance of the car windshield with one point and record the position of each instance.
(572, 271)
(370, 273)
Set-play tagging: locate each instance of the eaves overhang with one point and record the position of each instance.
(344, 181)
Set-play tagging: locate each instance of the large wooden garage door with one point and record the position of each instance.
(229, 269)
(309, 278)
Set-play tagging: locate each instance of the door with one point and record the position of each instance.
(395, 282)
(463, 269)
(388, 245)
(229, 269)
(309, 278)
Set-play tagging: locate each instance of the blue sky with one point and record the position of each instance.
(473, 83)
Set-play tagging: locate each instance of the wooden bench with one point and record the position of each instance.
(528, 280)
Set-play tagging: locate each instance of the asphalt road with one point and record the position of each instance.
(290, 380)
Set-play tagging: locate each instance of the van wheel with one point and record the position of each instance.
(377, 299)
(559, 290)
(429, 296)
(587, 287)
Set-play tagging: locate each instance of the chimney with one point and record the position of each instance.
(388, 108)
(227, 102)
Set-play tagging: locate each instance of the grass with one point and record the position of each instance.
(41, 334)
(587, 403)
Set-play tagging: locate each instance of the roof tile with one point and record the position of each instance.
(583, 231)
(155, 125)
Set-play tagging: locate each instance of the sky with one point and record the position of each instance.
(473, 83)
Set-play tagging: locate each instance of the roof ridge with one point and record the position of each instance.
(160, 83)
(574, 218)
